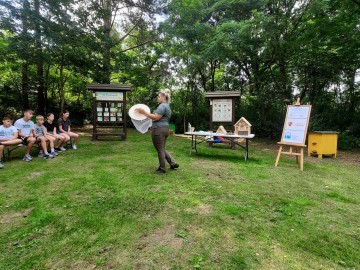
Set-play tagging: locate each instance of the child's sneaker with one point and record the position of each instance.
(54, 153)
(74, 147)
(1, 165)
(41, 154)
(62, 148)
(48, 156)
(27, 158)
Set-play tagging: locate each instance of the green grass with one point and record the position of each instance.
(102, 207)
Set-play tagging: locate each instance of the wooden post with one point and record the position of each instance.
(124, 135)
(210, 113)
(93, 138)
(233, 117)
(302, 158)
(278, 156)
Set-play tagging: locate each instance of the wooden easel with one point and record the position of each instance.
(300, 125)
(294, 150)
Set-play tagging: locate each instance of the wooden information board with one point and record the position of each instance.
(294, 132)
(109, 109)
(222, 107)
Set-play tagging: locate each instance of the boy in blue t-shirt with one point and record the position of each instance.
(8, 136)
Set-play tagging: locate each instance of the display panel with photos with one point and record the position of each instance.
(222, 110)
(109, 111)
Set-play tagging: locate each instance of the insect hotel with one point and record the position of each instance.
(221, 130)
(242, 127)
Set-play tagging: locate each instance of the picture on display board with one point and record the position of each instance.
(296, 124)
(109, 111)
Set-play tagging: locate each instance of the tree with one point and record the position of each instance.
(102, 21)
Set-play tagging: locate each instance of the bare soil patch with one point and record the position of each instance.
(202, 209)
(205, 209)
(8, 219)
(217, 169)
(35, 175)
(165, 236)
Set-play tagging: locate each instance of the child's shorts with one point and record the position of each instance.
(24, 140)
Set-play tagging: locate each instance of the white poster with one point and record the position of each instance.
(296, 123)
(222, 110)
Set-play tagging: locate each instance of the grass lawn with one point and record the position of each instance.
(102, 207)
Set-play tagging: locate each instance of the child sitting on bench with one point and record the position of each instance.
(25, 129)
(42, 138)
(8, 136)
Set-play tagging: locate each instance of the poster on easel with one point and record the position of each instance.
(296, 124)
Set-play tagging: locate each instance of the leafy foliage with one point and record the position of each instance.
(271, 52)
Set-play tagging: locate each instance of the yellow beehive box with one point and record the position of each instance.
(322, 143)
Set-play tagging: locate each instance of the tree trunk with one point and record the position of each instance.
(40, 88)
(212, 72)
(25, 86)
(25, 65)
(62, 88)
(351, 77)
(46, 88)
(107, 43)
(39, 60)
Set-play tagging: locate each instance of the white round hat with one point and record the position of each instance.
(138, 116)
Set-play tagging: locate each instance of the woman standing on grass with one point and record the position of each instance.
(160, 130)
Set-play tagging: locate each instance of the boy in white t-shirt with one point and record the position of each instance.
(26, 132)
(8, 136)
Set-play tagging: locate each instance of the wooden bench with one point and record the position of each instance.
(9, 148)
